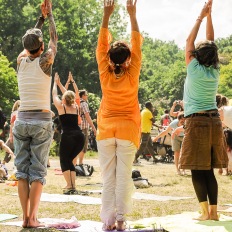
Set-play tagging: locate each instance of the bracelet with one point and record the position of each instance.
(199, 19)
(42, 18)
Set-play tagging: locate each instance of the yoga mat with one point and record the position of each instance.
(85, 200)
(4, 217)
(184, 223)
(85, 226)
(152, 197)
(173, 223)
(229, 210)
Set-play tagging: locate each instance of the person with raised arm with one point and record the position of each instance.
(32, 130)
(204, 146)
(72, 138)
(118, 133)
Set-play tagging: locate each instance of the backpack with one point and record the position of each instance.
(139, 182)
(136, 174)
(2, 120)
(84, 170)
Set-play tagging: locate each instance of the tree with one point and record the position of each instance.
(163, 72)
(78, 24)
(8, 83)
(225, 84)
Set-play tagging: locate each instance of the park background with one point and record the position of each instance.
(161, 81)
(163, 66)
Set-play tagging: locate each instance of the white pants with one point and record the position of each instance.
(116, 157)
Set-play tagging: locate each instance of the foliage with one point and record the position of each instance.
(78, 23)
(163, 72)
(54, 149)
(94, 103)
(225, 84)
(8, 83)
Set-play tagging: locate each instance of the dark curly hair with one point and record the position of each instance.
(206, 52)
(118, 54)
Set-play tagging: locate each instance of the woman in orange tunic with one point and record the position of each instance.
(118, 117)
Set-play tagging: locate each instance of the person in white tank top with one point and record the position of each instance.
(33, 127)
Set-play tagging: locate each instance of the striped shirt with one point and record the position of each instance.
(84, 110)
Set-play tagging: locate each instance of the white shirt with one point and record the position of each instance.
(227, 112)
(34, 86)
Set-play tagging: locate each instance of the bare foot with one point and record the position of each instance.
(34, 224)
(178, 172)
(25, 222)
(109, 228)
(214, 217)
(121, 225)
(202, 217)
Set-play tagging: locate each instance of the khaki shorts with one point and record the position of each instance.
(176, 143)
(85, 132)
(204, 145)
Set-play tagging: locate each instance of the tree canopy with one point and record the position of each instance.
(78, 22)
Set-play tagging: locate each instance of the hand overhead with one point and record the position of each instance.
(206, 10)
(108, 7)
(131, 7)
(57, 78)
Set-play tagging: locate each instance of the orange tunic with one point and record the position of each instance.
(119, 114)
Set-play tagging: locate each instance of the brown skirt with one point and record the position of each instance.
(204, 144)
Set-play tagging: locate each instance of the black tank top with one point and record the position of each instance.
(69, 121)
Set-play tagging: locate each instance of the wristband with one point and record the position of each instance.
(199, 19)
(42, 18)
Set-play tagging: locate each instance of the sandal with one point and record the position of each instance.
(75, 192)
(69, 191)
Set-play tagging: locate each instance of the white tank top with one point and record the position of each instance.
(34, 86)
(227, 111)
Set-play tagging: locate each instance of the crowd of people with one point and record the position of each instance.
(198, 140)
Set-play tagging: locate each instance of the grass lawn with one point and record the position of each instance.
(162, 176)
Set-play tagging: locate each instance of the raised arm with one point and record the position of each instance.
(108, 10)
(39, 25)
(41, 19)
(131, 9)
(193, 34)
(56, 100)
(74, 85)
(209, 23)
(47, 60)
(67, 82)
(59, 84)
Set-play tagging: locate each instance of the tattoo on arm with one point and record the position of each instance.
(47, 59)
(40, 22)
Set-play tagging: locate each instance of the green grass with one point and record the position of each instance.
(162, 176)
